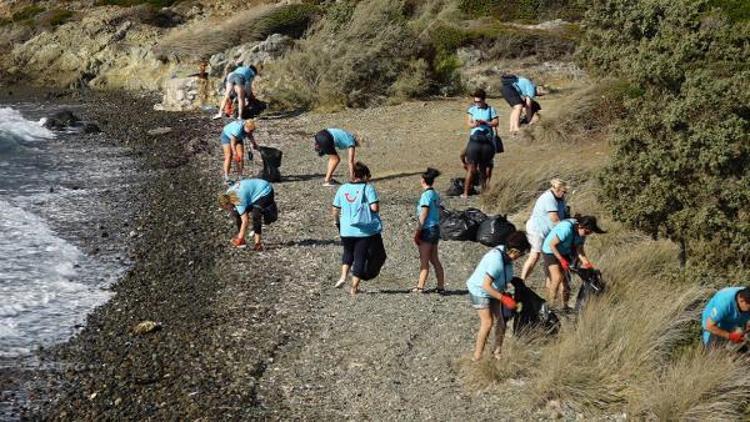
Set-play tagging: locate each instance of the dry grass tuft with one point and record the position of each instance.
(206, 38)
(698, 386)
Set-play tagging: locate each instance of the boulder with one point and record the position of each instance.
(61, 120)
(180, 94)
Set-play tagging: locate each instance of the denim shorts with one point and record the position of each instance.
(430, 235)
(236, 79)
(225, 140)
(480, 302)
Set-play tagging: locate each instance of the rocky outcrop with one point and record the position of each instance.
(190, 93)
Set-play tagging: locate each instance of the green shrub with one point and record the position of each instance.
(523, 10)
(54, 17)
(413, 82)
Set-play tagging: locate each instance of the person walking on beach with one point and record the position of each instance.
(238, 83)
(520, 93)
(480, 151)
(487, 286)
(246, 198)
(427, 236)
(561, 247)
(726, 317)
(232, 143)
(356, 213)
(549, 209)
(327, 141)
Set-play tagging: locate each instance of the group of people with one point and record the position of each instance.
(551, 232)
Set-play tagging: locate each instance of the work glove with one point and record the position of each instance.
(736, 337)
(564, 264)
(508, 301)
(417, 239)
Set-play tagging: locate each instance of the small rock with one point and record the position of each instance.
(91, 128)
(146, 327)
(160, 131)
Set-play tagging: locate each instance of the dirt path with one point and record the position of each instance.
(385, 354)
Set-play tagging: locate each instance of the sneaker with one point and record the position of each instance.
(258, 247)
(238, 243)
(228, 181)
(217, 116)
(340, 283)
(332, 182)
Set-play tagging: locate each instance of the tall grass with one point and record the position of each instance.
(206, 38)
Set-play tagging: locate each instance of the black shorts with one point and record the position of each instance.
(324, 143)
(535, 107)
(511, 95)
(550, 259)
(480, 151)
(430, 235)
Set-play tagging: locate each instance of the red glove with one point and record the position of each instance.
(417, 238)
(564, 264)
(736, 337)
(508, 301)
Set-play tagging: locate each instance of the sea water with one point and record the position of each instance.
(48, 283)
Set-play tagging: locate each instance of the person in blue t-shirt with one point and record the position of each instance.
(327, 141)
(549, 209)
(478, 155)
(356, 238)
(520, 93)
(427, 236)
(246, 197)
(726, 317)
(232, 143)
(562, 246)
(238, 83)
(487, 286)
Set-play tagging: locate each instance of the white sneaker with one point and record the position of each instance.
(340, 283)
(217, 116)
(330, 183)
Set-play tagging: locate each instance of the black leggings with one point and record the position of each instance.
(355, 253)
(258, 207)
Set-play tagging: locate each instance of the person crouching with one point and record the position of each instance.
(487, 290)
(249, 196)
(726, 317)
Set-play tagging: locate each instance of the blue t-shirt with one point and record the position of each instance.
(494, 264)
(250, 191)
(347, 199)
(565, 230)
(723, 310)
(525, 87)
(487, 114)
(431, 200)
(342, 139)
(540, 223)
(246, 73)
(236, 129)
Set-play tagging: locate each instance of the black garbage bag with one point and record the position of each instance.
(494, 230)
(475, 215)
(456, 188)
(535, 314)
(593, 285)
(376, 257)
(457, 226)
(252, 110)
(271, 163)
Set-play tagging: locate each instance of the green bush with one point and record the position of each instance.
(681, 165)
(523, 10)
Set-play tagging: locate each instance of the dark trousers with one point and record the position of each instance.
(355, 253)
(258, 207)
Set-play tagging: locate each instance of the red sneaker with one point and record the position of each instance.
(239, 243)
(258, 247)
